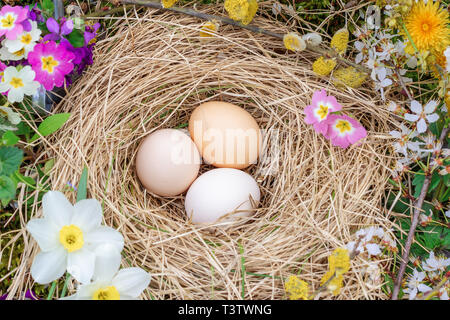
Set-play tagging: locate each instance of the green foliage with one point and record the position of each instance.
(76, 38)
(51, 124)
(48, 7)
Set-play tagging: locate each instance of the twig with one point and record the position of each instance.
(253, 28)
(103, 13)
(412, 229)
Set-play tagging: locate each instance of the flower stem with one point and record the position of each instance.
(52, 290)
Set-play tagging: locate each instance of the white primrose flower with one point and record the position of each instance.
(422, 114)
(415, 284)
(110, 283)
(9, 113)
(18, 83)
(68, 236)
(5, 55)
(25, 41)
(435, 264)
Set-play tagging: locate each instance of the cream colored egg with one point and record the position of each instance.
(221, 195)
(226, 135)
(167, 162)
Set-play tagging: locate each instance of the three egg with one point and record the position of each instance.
(224, 135)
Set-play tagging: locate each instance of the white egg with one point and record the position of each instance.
(221, 192)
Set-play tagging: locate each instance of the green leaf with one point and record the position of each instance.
(21, 178)
(82, 185)
(48, 166)
(418, 181)
(7, 189)
(10, 160)
(435, 179)
(51, 124)
(445, 196)
(9, 138)
(48, 6)
(76, 38)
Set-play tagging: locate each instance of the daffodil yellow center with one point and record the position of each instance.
(48, 64)
(26, 39)
(108, 293)
(322, 112)
(8, 21)
(71, 237)
(343, 126)
(16, 82)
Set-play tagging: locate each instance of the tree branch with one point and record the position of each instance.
(157, 5)
(412, 229)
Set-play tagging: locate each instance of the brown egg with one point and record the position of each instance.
(167, 162)
(226, 135)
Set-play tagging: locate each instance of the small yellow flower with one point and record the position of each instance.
(335, 284)
(208, 29)
(339, 261)
(427, 24)
(349, 77)
(241, 10)
(340, 41)
(296, 289)
(323, 66)
(292, 41)
(168, 3)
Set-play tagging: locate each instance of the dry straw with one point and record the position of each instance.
(150, 74)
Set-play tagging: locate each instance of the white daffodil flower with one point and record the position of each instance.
(18, 83)
(68, 236)
(110, 283)
(415, 284)
(9, 113)
(25, 41)
(422, 114)
(435, 264)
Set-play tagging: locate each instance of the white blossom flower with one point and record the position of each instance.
(443, 293)
(404, 142)
(18, 83)
(26, 41)
(68, 236)
(276, 8)
(12, 116)
(382, 81)
(447, 58)
(447, 213)
(362, 51)
(366, 236)
(110, 283)
(422, 114)
(312, 38)
(435, 264)
(415, 284)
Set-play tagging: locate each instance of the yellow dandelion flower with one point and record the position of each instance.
(335, 284)
(292, 41)
(241, 10)
(208, 29)
(323, 66)
(349, 77)
(340, 41)
(168, 3)
(427, 26)
(296, 289)
(339, 261)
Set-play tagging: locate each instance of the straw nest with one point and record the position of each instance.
(150, 74)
